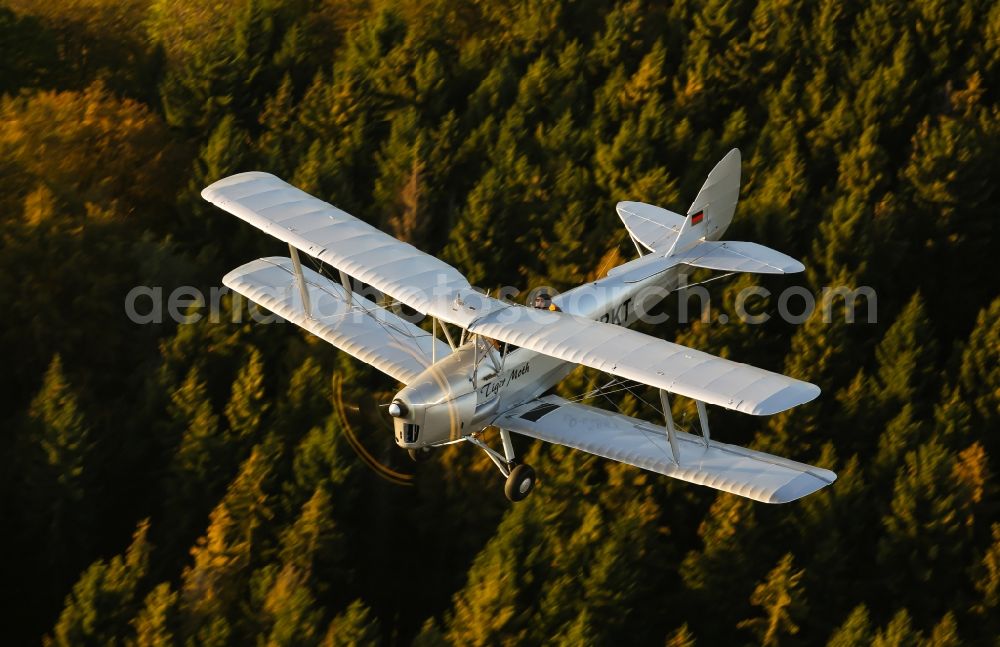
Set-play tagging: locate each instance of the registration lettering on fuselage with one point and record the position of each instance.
(618, 315)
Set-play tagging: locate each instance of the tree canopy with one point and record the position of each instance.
(198, 483)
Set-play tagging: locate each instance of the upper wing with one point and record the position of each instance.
(636, 356)
(359, 327)
(756, 475)
(336, 237)
(435, 288)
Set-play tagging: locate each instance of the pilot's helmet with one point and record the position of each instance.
(543, 300)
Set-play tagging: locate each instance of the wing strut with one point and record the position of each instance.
(447, 335)
(703, 419)
(346, 282)
(491, 353)
(668, 417)
(301, 280)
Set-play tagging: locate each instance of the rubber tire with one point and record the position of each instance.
(520, 483)
(421, 455)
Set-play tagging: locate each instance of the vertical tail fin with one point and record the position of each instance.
(693, 240)
(713, 208)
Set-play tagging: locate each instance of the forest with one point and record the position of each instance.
(202, 483)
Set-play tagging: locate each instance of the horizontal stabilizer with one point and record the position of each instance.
(738, 256)
(655, 228)
(730, 468)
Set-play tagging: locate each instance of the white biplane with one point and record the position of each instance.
(509, 357)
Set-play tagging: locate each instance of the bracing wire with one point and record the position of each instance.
(392, 331)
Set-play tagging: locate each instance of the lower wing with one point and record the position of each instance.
(352, 323)
(738, 470)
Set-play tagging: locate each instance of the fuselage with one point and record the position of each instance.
(464, 392)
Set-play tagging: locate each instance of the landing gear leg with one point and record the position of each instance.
(520, 477)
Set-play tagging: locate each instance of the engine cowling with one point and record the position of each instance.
(433, 424)
(438, 406)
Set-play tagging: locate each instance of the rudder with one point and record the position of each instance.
(713, 207)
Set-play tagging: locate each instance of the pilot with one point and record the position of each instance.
(544, 302)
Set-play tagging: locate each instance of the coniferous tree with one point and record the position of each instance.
(935, 499)
(986, 575)
(493, 609)
(306, 403)
(353, 627)
(209, 74)
(979, 374)
(430, 635)
(59, 481)
(155, 624)
(782, 600)
(198, 466)
(312, 545)
(726, 530)
(906, 357)
(944, 633)
(106, 597)
(289, 612)
(898, 633)
(681, 637)
(247, 405)
(224, 153)
(213, 584)
(855, 631)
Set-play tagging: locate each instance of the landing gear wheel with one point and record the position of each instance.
(520, 482)
(419, 455)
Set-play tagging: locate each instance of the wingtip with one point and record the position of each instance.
(790, 266)
(624, 205)
(795, 267)
(802, 485)
(211, 191)
(791, 396)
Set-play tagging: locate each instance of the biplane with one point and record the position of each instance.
(489, 362)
